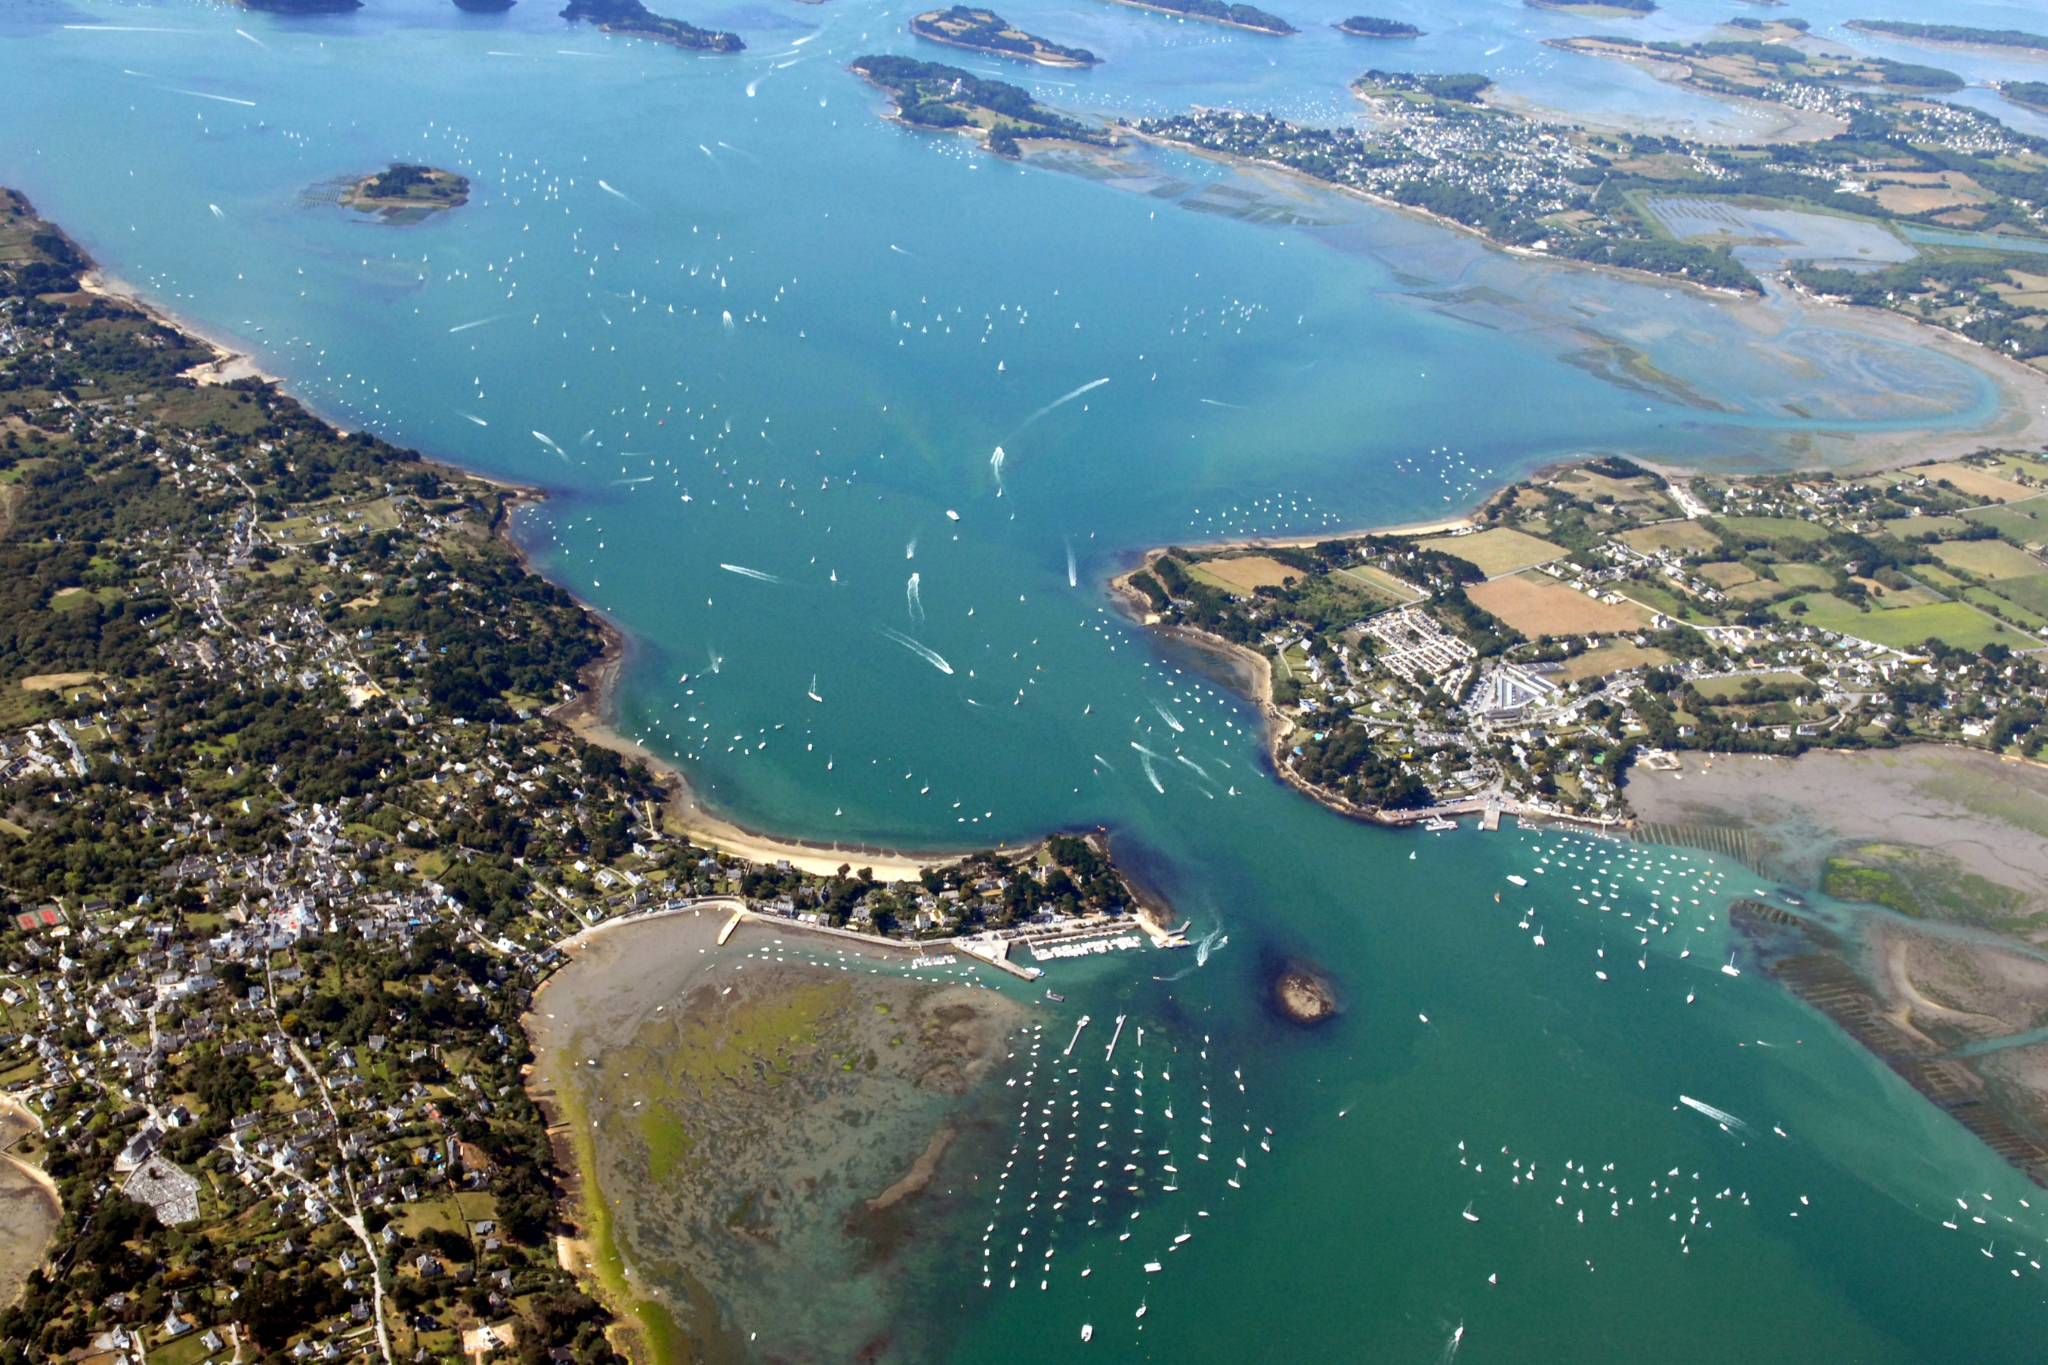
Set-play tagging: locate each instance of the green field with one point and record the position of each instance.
(1988, 558)
(1803, 575)
(2030, 592)
(1956, 624)
(1922, 526)
(1773, 528)
(2025, 522)
(2001, 606)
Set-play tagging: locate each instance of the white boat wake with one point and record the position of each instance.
(930, 656)
(744, 572)
(1064, 398)
(1720, 1116)
(914, 599)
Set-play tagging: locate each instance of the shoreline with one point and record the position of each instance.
(1207, 19)
(228, 364)
(2016, 413)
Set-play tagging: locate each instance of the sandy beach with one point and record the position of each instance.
(30, 1209)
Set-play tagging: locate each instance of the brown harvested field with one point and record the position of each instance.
(1498, 551)
(1243, 575)
(1725, 573)
(1920, 198)
(1553, 609)
(1988, 558)
(1611, 658)
(1682, 537)
(1978, 483)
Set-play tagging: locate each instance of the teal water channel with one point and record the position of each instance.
(762, 349)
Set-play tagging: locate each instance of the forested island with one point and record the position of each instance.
(302, 6)
(1217, 12)
(1953, 33)
(1598, 9)
(407, 193)
(1363, 26)
(632, 17)
(982, 30)
(485, 6)
(931, 95)
(2032, 94)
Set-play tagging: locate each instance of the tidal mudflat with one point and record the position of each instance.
(766, 1133)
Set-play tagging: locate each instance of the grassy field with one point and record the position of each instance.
(1921, 526)
(1956, 624)
(1803, 576)
(1501, 550)
(1680, 536)
(1726, 573)
(2030, 592)
(2025, 522)
(1989, 558)
(1774, 528)
(1378, 581)
(1609, 658)
(1721, 689)
(2000, 606)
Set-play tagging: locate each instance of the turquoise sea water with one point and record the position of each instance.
(758, 344)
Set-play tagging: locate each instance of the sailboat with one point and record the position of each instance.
(1468, 1215)
(813, 693)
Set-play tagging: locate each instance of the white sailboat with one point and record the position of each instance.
(813, 693)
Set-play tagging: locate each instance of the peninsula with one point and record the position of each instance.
(1603, 614)
(1362, 26)
(981, 30)
(305, 798)
(1948, 201)
(632, 17)
(943, 98)
(405, 193)
(2032, 94)
(1217, 12)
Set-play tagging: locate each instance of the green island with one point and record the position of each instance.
(1217, 12)
(1363, 26)
(930, 95)
(632, 17)
(405, 193)
(485, 6)
(2032, 94)
(981, 30)
(303, 788)
(1601, 615)
(1598, 9)
(1953, 33)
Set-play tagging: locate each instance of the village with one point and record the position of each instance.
(1602, 615)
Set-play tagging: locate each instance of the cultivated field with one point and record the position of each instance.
(1609, 658)
(2026, 522)
(1774, 528)
(1956, 624)
(1241, 576)
(1538, 609)
(1498, 551)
